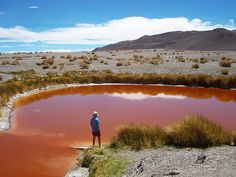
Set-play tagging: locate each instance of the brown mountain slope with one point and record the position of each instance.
(217, 39)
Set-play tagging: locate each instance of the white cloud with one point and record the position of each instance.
(140, 96)
(33, 7)
(110, 32)
(2, 13)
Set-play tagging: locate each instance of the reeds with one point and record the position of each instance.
(194, 131)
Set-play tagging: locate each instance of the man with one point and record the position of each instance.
(95, 125)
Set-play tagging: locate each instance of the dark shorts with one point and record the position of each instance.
(97, 133)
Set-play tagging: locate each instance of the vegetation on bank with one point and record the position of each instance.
(29, 80)
(194, 131)
(103, 162)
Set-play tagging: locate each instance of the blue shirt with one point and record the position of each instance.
(94, 122)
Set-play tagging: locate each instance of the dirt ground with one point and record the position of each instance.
(131, 61)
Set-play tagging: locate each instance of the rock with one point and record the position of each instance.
(200, 159)
(80, 172)
(171, 173)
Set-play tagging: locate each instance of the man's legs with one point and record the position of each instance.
(99, 141)
(94, 140)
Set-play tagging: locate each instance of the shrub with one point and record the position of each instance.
(1, 77)
(6, 62)
(63, 57)
(84, 65)
(139, 136)
(49, 61)
(72, 59)
(46, 65)
(224, 71)
(44, 57)
(225, 63)
(180, 59)
(233, 138)
(68, 57)
(203, 60)
(15, 62)
(195, 66)
(120, 63)
(196, 131)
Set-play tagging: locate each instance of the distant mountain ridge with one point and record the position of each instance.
(217, 39)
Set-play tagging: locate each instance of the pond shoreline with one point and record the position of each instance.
(6, 120)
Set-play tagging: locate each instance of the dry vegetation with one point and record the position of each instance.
(193, 131)
(225, 62)
(195, 66)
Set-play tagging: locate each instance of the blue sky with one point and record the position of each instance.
(41, 25)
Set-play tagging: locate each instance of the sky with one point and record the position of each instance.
(77, 25)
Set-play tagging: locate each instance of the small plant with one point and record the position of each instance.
(203, 60)
(195, 66)
(68, 57)
(63, 57)
(1, 77)
(224, 71)
(120, 63)
(44, 57)
(6, 62)
(225, 62)
(46, 65)
(49, 61)
(180, 59)
(15, 62)
(84, 65)
(72, 59)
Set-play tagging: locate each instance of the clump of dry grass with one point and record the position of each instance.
(233, 138)
(224, 71)
(196, 131)
(195, 66)
(180, 59)
(73, 59)
(1, 77)
(15, 62)
(203, 60)
(6, 62)
(84, 65)
(68, 57)
(120, 63)
(225, 62)
(138, 136)
(44, 57)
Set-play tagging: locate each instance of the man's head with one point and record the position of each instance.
(95, 114)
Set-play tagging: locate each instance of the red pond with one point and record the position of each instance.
(46, 126)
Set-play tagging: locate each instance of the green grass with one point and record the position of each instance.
(103, 162)
(194, 131)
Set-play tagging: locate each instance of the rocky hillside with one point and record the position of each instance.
(215, 40)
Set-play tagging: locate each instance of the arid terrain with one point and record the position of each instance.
(161, 61)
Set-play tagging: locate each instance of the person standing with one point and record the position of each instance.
(95, 125)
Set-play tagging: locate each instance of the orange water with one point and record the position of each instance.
(47, 125)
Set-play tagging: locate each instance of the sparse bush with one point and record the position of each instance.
(233, 138)
(225, 63)
(196, 131)
(44, 57)
(120, 63)
(83, 57)
(224, 71)
(180, 59)
(72, 59)
(6, 62)
(135, 56)
(63, 57)
(49, 61)
(84, 65)
(46, 65)
(195, 66)
(68, 57)
(15, 62)
(1, 77)
(203, 60)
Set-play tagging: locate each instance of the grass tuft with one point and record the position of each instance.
(138, 137)
(196, 131)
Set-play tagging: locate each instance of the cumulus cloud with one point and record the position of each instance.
(110, 32)
(33, 7)
(2, 13)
